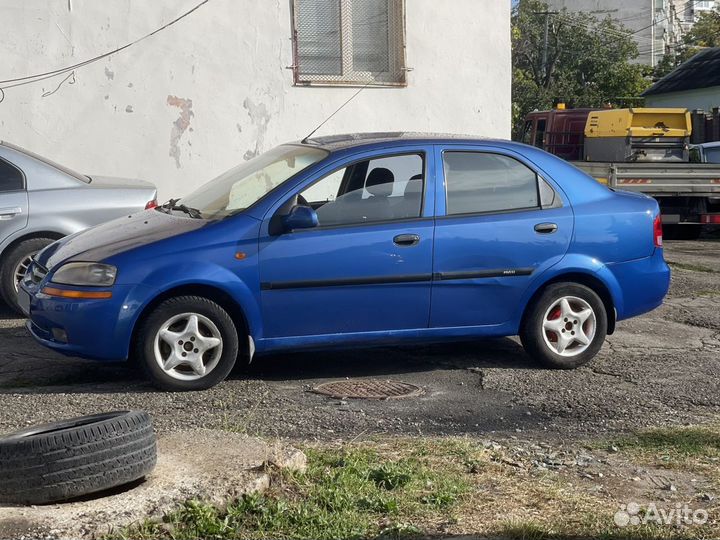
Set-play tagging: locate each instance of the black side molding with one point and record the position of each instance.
(416, 278)
(345, 282)
(500, 272)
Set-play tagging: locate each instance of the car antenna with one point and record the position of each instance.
(340, 108)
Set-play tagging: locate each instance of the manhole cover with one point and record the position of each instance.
(368, 389)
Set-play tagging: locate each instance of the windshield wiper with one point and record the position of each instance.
(190, 211)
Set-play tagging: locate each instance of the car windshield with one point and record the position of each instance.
(244, 185)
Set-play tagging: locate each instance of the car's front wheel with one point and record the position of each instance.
(565, 327)
(14, 265)
(187, 343)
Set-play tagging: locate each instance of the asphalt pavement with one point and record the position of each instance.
(658, 369)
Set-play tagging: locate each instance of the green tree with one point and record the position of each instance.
(586, 63)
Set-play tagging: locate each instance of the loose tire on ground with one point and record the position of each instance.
(168, 356)
(68, 459)
(533, 333)
(10, 262)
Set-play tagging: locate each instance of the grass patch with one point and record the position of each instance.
(534, 530)
(679, 442)
(691, 267)
(353, 493)
(405, 488)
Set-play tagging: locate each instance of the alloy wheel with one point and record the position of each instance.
(188, 346)
(21, 268)
(569, 326)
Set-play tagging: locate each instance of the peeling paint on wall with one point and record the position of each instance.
(179, 125)
(260, 117)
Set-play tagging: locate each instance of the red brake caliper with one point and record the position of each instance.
(554, 314)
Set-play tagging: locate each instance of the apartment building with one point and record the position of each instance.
(656, 25)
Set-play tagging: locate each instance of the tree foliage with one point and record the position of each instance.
(588, 61)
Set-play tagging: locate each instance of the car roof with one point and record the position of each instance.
(347, 141)
(708, 144)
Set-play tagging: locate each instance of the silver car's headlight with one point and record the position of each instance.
(86, 274)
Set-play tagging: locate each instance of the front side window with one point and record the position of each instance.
(241, 187)
(354, 42)
(11, 179)
(382, 189)
(482, 182)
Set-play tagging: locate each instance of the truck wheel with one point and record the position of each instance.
(187, 343)
(565, 327)
(67, 459)
(13, 267)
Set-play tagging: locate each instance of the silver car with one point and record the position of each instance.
(41, 201)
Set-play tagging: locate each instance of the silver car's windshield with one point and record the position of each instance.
(241, 187)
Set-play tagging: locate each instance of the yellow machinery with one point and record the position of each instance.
(638, 134)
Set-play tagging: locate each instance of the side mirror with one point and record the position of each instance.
(300, 217)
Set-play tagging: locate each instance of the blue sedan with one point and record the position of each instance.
(349, 240)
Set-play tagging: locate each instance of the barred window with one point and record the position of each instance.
(349, 42)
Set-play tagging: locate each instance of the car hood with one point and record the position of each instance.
(117, 236)
(111, 182)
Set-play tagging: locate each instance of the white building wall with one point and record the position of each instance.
(704, 98)
(201, 96)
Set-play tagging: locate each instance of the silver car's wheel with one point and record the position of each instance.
(13, 266)
(20, 269)
(569, 326)
(188, 346)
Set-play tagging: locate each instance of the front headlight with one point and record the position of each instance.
(85, 273)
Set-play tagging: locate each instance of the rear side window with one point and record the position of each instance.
(11, 179)
(482, 182)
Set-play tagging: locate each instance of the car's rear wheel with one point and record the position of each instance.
(565, 327)
(187, 343)
(14, 265)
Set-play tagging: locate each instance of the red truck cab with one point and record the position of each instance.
(559, 131)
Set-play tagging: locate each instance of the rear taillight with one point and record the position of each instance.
(710, 219)
(151, 204)
(657, 231)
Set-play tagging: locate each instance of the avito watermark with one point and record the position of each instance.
(633, 514)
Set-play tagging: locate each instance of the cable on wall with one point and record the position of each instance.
(29, 79)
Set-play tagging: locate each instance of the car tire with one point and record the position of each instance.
(68, 459)
(11, 263)
(554, 332)
(187, 343)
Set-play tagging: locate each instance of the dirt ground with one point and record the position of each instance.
(657, 370)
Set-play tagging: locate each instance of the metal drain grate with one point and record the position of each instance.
(368, 389)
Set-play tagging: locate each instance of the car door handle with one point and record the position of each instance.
(407, 240)
(8, 213)
(546, 228)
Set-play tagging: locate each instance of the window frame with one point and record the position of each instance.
(558, 201)
(397, 57)
(22, 176)
(423, 154)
